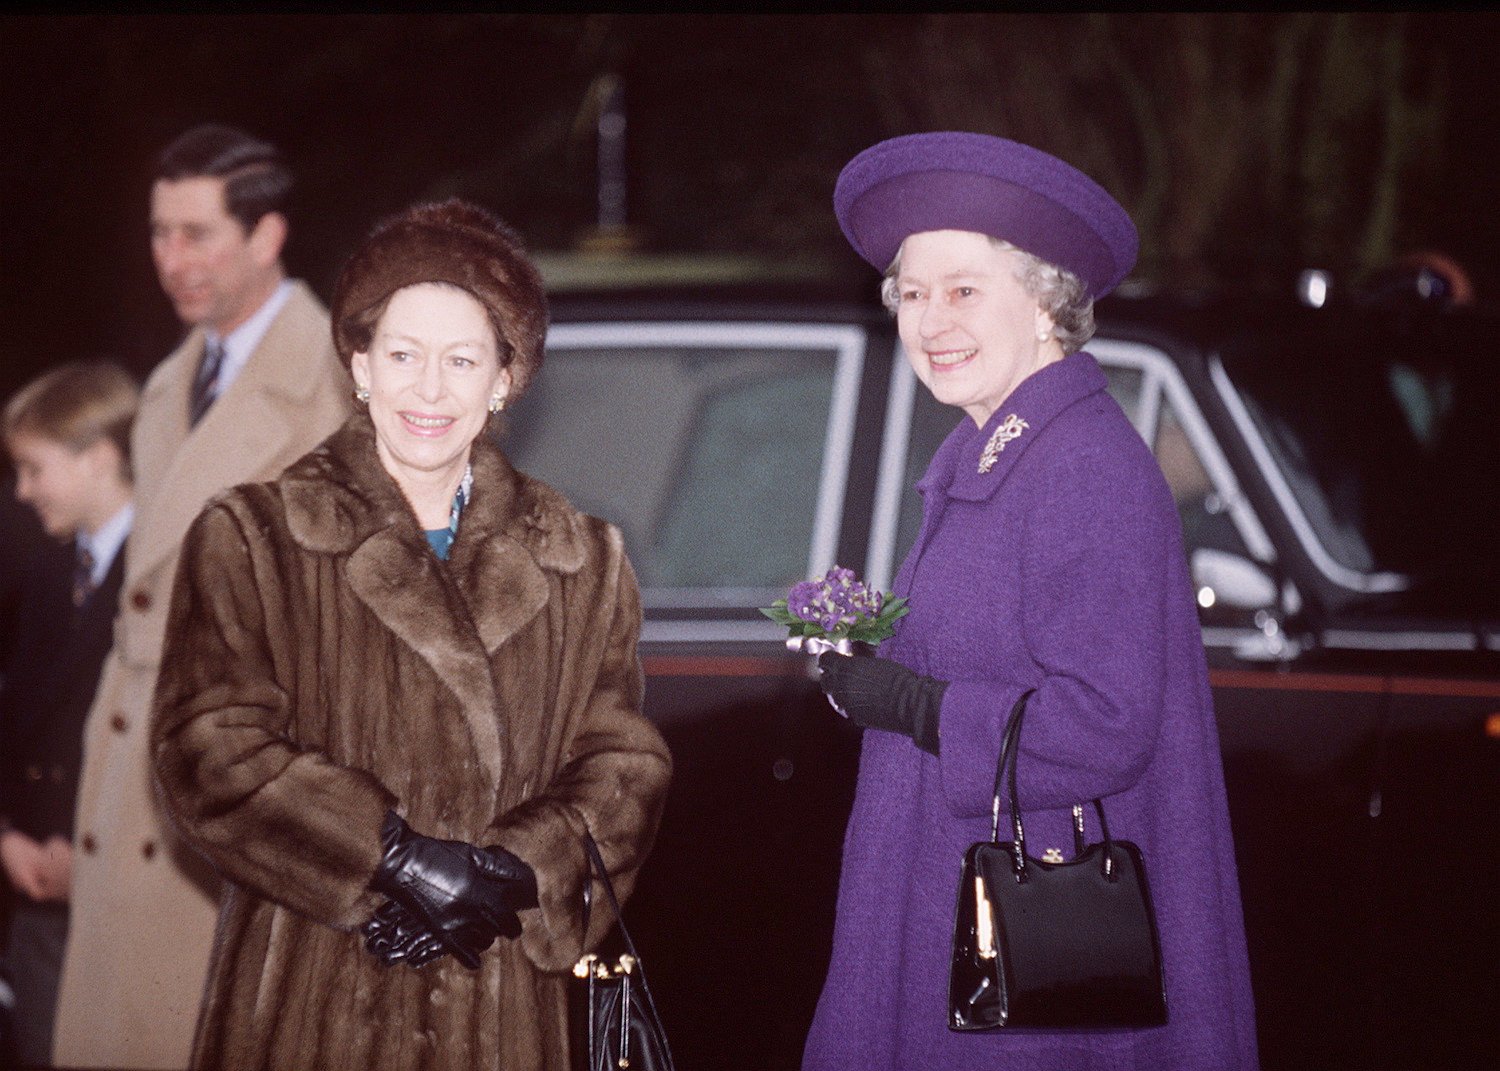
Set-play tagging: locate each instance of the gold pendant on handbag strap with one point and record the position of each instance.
(1010, 428)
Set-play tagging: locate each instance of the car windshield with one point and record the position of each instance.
(1384, 432)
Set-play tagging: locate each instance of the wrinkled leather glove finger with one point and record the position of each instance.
(379, 931)
(427, 953)
(389, 917)
(413, 953)
(392, 935)
(417, 949)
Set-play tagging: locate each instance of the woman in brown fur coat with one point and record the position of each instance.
(402, 678)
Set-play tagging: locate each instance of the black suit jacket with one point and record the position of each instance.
(48, 687)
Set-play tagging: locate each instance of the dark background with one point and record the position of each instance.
(1247, 146)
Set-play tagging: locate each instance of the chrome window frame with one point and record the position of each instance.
(1336, 572)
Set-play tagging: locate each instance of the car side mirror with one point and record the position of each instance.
(1222, 578)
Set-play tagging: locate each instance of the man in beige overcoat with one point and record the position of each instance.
(254, 385)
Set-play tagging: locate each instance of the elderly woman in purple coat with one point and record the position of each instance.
(1050, 558)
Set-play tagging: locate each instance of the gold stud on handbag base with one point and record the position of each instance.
(593, 965)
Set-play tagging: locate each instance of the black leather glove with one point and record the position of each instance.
(394, 936)
(465, 896)
(880, 694)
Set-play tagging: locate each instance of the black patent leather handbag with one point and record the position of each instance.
(615, 1023)
(1053, 944)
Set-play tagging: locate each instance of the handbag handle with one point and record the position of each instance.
(1010, 751)
(596, 869)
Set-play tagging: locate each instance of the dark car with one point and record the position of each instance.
(1336, 473)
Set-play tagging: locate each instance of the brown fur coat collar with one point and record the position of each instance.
(340, 500)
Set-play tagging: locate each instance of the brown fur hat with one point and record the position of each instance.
(451, 242)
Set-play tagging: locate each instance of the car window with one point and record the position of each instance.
(711, 455)
(1200, 504)
(1127, 385)
(1378, 435)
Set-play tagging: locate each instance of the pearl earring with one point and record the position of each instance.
(497, 403)
(362, 394)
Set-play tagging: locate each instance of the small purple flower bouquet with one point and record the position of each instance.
(836, 612)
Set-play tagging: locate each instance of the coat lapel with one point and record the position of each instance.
(340, 500)
(400, 582)
(513, 531)
(241, 432)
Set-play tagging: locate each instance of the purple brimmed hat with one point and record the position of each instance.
(951, 180)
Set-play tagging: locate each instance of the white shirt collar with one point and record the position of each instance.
(240, 343)
(105, 543)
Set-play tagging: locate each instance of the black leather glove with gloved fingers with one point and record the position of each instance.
(880, 694)
(393, 935)
(463, 895)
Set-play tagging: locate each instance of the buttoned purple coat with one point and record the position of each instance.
(1061, 568)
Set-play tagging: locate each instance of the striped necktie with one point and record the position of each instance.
(206, 380)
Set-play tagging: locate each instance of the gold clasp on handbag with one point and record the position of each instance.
(592, 965)
(984, 923)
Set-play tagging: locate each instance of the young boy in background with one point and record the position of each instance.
(68, 435)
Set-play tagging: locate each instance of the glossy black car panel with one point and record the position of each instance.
(1334, 471)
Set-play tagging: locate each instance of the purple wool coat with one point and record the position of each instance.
(1059, 569)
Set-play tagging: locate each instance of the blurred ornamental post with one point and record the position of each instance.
(611, 232)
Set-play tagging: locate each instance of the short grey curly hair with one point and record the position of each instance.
(1059, 292)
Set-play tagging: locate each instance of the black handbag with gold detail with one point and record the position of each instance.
(615, 1023)
(1053, 944)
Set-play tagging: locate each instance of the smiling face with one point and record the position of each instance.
(969, 328)
(432, 367)
(70, 490)
(215, 274)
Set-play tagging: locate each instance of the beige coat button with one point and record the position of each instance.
(118, 723)
(141, 600)
(89, 844)
(148, 849)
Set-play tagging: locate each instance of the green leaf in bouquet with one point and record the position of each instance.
(778, 612)
(871, 631)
